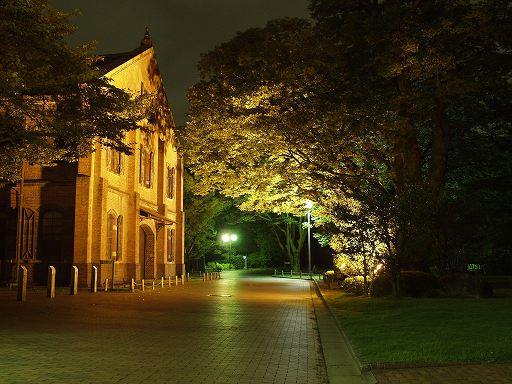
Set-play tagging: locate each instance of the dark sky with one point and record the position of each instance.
(180, 29)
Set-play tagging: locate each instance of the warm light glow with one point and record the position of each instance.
(378, 268)
(342, 266)
(309, 204)
(229, 237)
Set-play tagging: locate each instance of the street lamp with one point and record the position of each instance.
(309, 205)
(229, 238)
(245, 261)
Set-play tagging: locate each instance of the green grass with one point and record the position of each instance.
(407, 330)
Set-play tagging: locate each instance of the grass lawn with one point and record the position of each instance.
(441, 330)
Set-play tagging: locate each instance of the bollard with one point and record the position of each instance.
(291, 273)
(22, 284)
(50, 289)
(275, 272)
(176, 280)
(153, 285)
(300, 274)
(132, 286)
(203, 277)
(188, 276)
(169, 278)
(142, 285)
(282, 273)
(106, 284)
(182, 279)
(94, 280)
(73, 287)
(162, 281)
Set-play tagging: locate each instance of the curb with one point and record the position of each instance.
(365, 369)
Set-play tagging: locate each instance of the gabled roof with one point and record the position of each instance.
(108, 62)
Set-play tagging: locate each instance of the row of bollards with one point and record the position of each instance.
(211, 276)
(50, 289)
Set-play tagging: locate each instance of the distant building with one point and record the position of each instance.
(109, 210)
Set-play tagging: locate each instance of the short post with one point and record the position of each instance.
(182, 279)
(22, 284)
(73, 288)
(162, 281)
(169, 279)
(282, 273)
(176, 280)
(275, 272)
(203, 277)
(94, 279)
(142, 285)
(50, 289)
(291, 272)
(106, 284)
(188, 276)
(153, 285)
(132, 286)
(300, 274)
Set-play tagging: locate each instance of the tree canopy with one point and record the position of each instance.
(54, 103)
(369, 105)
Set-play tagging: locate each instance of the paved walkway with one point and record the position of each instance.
(250, 330)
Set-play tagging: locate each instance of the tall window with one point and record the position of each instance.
(114, 237)
(114, 161)
(146, 162)
(27, 241)
(171, 181)
(171, 244)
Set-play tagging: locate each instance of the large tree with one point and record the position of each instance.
(361, 106)
(54, 102)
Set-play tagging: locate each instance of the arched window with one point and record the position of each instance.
(171, 181)
(119, 237)
(171, 244)
(147, 161)
(114, 161)
(114, 237)
(111, 236)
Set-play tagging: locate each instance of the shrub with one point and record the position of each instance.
(353, 285)
(412, 283)
(485, 289)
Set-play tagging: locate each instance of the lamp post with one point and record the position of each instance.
(309, 205)
(245, 261)
(229, 238)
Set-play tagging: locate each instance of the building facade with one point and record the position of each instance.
(121, 214)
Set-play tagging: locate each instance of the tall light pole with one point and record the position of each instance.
(309, 205)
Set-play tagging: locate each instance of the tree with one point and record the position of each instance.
(201, 229)
(360, 106)
(54, 103)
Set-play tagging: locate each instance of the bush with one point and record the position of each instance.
(353, 285)
(465, 284)
(412, 283)
(215, 266)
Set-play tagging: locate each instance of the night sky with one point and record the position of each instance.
(180, 29)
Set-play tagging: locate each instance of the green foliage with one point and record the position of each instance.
(354, 285)
(54, 104)
(364, 109)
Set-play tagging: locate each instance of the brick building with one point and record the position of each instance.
(122, 214)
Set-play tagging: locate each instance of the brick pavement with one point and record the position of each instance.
(265, 332)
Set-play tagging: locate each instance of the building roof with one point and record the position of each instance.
(107, 62)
